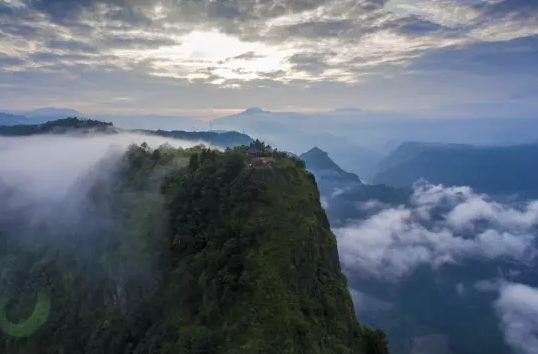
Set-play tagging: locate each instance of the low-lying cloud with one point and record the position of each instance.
(517, 308)
(441, 225)
(44, 167)
(48, 184)
(68, 196)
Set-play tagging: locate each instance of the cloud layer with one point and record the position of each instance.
(517, 307)
(442, 225)
(244, 44)
(44, 168)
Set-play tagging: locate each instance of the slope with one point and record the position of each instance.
(493, 170)
(182, 251)
(81, 125)
(57, 126)
(344, 193)
(14, 119)
(326, 170)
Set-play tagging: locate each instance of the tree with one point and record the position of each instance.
(194, 162)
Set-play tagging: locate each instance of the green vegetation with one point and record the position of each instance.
(60, 125)
(37, 319)
(223, 139)
(220, 139)
(191, 251)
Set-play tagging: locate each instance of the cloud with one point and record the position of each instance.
(517, 308)
(351, 43)
(45, 167)
(368, 303)
(63, 195)
(309, 62)
(441, 226)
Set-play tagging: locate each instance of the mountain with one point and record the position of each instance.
(152, 121)
(374, 129)
(51, 113)
(58, 127)
(14, 119)
(76, 125)
(178, 251)
(351, 156)
(328, 174)
(488, 169)
(297, 132)
(123, 120)
(343, 192)
(223, 139)
(253, 111)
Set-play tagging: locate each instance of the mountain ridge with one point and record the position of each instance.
(218, 255)
(319, 160)
(463, 164)
(86, 126)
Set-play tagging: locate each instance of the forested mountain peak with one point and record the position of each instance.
(181, 251)
(319, 160)
(57, 126)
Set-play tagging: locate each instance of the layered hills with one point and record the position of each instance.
(488, 169)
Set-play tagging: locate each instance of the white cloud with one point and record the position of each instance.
(45, 167)
(517, 308)
(441, 225)
(444, 12)
(371, 53)
(367, 303)
(366, 37)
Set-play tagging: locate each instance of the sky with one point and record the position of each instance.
(216, 57)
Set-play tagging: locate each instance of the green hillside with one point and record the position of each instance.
(61, 126)
(56, 126)
(182, 251)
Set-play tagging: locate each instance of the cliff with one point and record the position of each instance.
(181, 251)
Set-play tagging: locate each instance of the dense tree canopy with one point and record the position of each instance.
(184, 251)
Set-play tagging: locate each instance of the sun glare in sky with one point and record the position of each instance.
(402, 54)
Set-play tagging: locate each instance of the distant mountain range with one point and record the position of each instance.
(425, 310)
(369, 144)
(298, 132)
(89, 126)
(429, 307)
(329, 175)
(14, 119)
(343, 191)
(492, 170)
(127, 121)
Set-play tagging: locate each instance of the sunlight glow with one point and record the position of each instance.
(205, 53)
